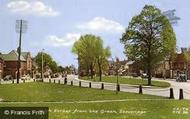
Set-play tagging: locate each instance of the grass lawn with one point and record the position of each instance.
(56, 92)
(132, 81)
(131, 109)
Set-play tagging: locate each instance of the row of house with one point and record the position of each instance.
(171, 69)
(9, 63)
(167, 68)
(28, 66)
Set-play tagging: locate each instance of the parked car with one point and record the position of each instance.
(26, 77)
(181, 78)
(8, 78)
(144, 75)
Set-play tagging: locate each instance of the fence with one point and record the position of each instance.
(15, 81)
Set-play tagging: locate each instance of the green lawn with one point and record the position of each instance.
(160, 109)
(55, 92)
(132, 81)
(151, 109)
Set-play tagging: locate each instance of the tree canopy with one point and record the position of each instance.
(91, 53)
(149, 39)
(47, 61)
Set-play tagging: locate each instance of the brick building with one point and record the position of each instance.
(28, 58)
(181, 65)
(11, 63)
(1, 68)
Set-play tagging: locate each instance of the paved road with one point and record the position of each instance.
(146, 90)
(128, 88)
(179, 85)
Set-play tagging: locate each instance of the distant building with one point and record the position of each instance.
(1, 68)
(171, 69)
(180, 65)
(34, 69)
(125, 67)
(133, 68)
(163, 69)
(28, 58)
(11, 63)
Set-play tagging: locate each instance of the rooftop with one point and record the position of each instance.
(11, 56)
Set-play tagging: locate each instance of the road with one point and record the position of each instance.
(126, 87)
(132, 88)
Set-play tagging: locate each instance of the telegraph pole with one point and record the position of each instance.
(20, 28)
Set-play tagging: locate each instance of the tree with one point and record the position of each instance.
(53, 66)
(47, 61)
(84, 48)
(149, 38)
(61, 69)
(102, 55)
(90, 51)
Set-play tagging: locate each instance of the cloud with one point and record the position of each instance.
(66, 40)
(102, 24)
(35, 8)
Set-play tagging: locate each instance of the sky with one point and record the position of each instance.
(54, 25)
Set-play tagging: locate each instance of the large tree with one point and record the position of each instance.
(47, 61)
(84, 48)
(102, 54)
(90, 51)
(149, 39)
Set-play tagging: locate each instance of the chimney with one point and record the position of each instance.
(184, 50)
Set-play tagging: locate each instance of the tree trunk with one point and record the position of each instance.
(149, 66)
(149, 75)
(100, 70)
(91, 70)
(187, 72)
(87, 71)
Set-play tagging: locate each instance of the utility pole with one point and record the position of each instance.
(117, 73)
(79, 67)
(20, 28)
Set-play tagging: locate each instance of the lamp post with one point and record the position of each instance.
(21, 26)
(79, 67)
(117, 73)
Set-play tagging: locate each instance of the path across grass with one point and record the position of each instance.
(132, 81)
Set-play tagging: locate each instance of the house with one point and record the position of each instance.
(11, 63)
(163, 69)
(1, 68)
(171, 69)
(47, 72)
(180, 65)
(28, 58)
(125, 67)
(132, 68)
(34, 69)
